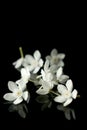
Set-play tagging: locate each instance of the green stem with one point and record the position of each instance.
(21, 52)
(78, 96)
(54, 92)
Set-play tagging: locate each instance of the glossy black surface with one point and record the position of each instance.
(45, 114)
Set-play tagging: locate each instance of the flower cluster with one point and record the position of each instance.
(47, 76)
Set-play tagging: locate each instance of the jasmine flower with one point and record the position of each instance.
(34, 62)
(66, 94)
(17, 93)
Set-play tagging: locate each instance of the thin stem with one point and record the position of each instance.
(54, 92)
(21, 52)
(31, 80)
(78, 96)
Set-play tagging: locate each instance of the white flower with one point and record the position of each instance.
(44, 89)
(48, 74)
(56, 58)
(34, 63)
(67, 95)
(17, 95)
(60, 76)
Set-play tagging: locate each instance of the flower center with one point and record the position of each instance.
(35, 64)
(19, 93)
(67, 94)
(55, 60)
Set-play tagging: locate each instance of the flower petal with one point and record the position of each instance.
(43, 90)
(37, 55)
(18, 100)
(69, 85)
(29, 59)
(61, 56)
(54, 52)
(63, 78)
(74, 93)
(59, 72)
(21, 84)
(59, 99)
(12, 86)
(67, 102)
(25, 95)
(25, 72)
(46, 65)
(61, 89)
(53, 68)
(18, 63)
(9, 97)
(60, 64)
(36, 70)
(40, 62)
(48, 58)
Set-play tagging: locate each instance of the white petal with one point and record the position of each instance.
(61, 56)
(61, 89)
(25, 74)
(63, 78)
(60, 64)
(25, 95)
(46, 65)
(36, 70)
(21, 84)
(48, 58)
(67, 102)
(12, 86)
(43, 74)
(49, 77)
(29, 59)
(59, 72)
(74, 93)
(42, 90)
(53, 68)
(30, 67)
(9, 97)
(40, 62)
(54, 52)
(18, 100)
(18, 63)
(59, 99)
(69, 85)
(37, 55)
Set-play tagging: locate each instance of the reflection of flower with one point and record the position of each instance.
(45, 101)
(67, 95)
(20, 108)
(18, 93)
(68, 112)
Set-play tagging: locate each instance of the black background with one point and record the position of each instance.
(68, 36)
